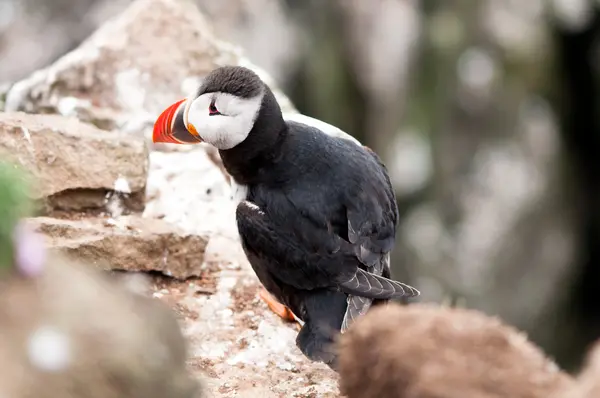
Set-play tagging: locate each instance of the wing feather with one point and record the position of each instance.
(372, 222)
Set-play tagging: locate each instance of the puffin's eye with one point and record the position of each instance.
(212, 109)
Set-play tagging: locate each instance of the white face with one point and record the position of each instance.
(223, 120)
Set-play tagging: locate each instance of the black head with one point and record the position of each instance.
(235, 80)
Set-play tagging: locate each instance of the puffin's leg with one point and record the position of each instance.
(279, 309)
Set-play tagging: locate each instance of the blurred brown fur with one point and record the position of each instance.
(426, 351)
(121, 343)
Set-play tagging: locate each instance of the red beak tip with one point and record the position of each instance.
(162, 131)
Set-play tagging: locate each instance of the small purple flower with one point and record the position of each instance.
(30, 251)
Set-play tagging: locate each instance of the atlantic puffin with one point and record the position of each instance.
(316, 214)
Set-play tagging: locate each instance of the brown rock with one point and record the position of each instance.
(76, 166)
(73, 332)
(425, 351)
(129, 243)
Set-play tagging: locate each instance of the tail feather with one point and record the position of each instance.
(365, 284)
(357, 306)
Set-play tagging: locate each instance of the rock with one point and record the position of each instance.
(427, 351)
(154, 53)
(189, 190)
(238, 346)
(76, 165)
(129, 243)
(74, 332)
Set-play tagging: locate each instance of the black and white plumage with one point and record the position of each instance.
(317, 214)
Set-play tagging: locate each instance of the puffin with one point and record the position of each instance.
(316, 214)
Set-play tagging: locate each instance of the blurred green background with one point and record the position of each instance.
(485, 112)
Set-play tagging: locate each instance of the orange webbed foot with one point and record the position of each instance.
(274, 305)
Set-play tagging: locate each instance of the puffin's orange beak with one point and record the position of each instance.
(170, 127)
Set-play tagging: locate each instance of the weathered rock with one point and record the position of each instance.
(73, 332)
(241, 348)
(129, 243)
(188, 190)
(427, 351)
(76, 165)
